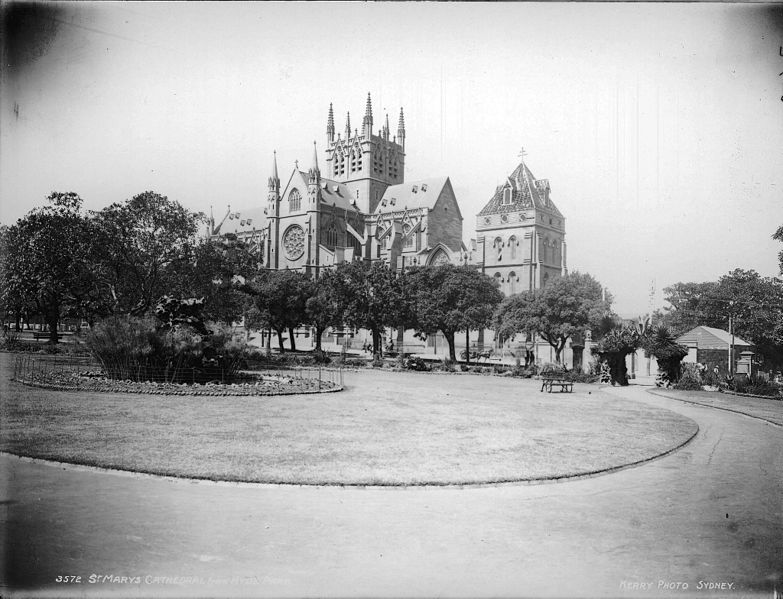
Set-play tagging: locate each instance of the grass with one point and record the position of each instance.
(385, 428)
(770, 409)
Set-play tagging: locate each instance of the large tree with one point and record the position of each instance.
(49, 265)
(567, 305)
(323, 305)
(372, 297)
(753, 303)
(450, 298)
(280, 299)
(779, 237)
(217, 271)
(145, 239)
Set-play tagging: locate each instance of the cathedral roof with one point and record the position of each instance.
(337, 194)
(527, 192)
(415, 194)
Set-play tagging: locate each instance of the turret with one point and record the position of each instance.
(401, 130)
(330, 125)
(367, 122)
(274, 180)
(347, 126)
(314, 174)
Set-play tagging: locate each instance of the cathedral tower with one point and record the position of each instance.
(521, 233)
(365, 162)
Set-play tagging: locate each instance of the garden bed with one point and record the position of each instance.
(250, 384)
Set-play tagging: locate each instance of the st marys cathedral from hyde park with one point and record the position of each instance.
(361, 208)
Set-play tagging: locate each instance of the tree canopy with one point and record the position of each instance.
(567, 305)
(754, 303)
(450, 298)
(49, 262)
(144, 239)
(373, 297)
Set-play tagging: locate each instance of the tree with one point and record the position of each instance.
(614, 347)
(754, 304)
(372, 297)
(567, 305)
(691, 305)
(49, 261)
(144, 240)
(322, 305)
(660, 343)
(280, 298)
(450, 298)
(778, 236)
(215, 270)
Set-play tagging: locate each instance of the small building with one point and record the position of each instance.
(710, 346)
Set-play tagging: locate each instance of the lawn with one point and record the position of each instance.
(384, 428)
(767, 409)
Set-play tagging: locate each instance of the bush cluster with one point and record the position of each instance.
(140, 349)
(756, 386)
(690, 378)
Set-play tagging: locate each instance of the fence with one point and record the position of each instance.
(77, 372)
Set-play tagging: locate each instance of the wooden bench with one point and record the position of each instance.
(550, 381)
(38, 335)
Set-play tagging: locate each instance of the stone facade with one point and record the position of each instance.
(360, 208)
(521, 234)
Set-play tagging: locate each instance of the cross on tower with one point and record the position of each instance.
(522, 153)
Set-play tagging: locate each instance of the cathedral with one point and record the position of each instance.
(361, 208)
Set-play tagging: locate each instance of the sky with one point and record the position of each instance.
(659, 126)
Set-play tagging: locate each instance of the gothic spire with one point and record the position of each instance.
(401, 130)
(330, 124)
(367, 122)
(274, 180)
(348, 126)
(386, 127)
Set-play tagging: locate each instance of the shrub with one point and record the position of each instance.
(321, 357)
(416, 363)
(690, 378)
(581, 377)
(137, 349)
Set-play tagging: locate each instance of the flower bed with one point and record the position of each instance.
(260, 384)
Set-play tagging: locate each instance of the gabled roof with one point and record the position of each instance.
(426, 195)
(527, 192)
(332, 192)
(709, 338)
(337, 194)
(251, 219)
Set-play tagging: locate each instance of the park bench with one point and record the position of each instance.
(38, 335)
(551, 380)
(477, 355)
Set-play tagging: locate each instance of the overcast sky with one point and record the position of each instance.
(659, 126)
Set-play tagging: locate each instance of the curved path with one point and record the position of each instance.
(709, 513)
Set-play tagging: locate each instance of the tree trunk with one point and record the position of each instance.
(618, 370)
(377, 350)
(318, 332)
(467, 345)
(52, 320)
(292, 340)
(452, 351)
(280, 340)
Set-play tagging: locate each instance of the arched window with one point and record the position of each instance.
(410, 240)
(513, 243)
(507, 193)
(498, 281)
(498, 245)
(512, 283)
(294, 200)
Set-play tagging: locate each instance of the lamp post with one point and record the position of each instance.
(731, 332)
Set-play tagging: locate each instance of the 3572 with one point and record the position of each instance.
(77, 579)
